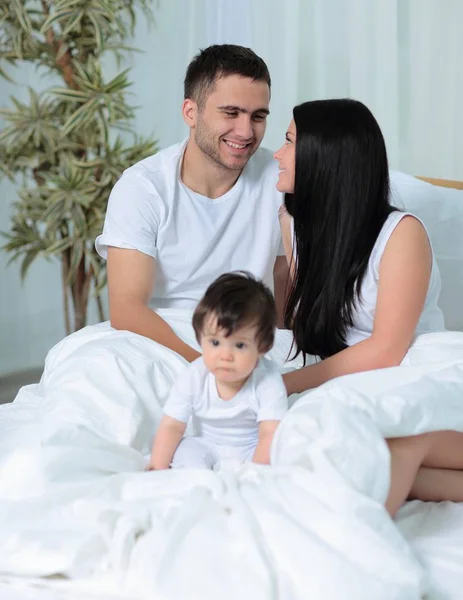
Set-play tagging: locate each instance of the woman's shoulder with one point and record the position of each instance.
(408, 238)
(398, 217)
(399, 226)
(407, 227)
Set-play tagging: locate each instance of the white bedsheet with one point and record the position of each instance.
(75, 500)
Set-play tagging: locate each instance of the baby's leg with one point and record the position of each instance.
(193, 452)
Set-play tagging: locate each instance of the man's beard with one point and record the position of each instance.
(207, 144)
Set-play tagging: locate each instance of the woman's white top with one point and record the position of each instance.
(431, 319)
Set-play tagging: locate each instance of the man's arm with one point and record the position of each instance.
(131, 279)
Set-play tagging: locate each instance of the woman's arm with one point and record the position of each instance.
(404, 275)
(168, 437)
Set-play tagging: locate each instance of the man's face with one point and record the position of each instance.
(230, 126)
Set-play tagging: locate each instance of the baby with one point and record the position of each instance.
(235, 396)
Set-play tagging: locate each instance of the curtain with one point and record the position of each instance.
(402, 58)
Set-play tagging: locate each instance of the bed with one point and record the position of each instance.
(79, 517)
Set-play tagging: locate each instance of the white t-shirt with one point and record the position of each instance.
(233, 422)
(194, 239)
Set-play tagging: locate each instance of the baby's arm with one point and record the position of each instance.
(266, 432)
(168, 437)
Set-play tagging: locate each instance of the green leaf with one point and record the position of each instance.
(22, 15)
(73, 23)
(69, 95)
(60, 4)
(82, 71)
(117, 47)
(5, 75)
(99, 36)
(80, 116)
(7, 171)
(55, 17)
(27, 261)
(59, 246)
(79, 220)
(119, 83)
(55, 210)
(104, 128)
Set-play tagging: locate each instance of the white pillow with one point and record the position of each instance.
(441, 210)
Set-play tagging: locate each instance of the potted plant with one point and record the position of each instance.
(67, 146)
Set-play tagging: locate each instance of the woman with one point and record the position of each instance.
(363, 278)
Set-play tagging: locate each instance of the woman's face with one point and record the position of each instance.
(286, 157)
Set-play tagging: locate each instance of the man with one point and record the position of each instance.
(177, 220)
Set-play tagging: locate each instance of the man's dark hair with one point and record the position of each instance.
(218, 61)
(238, 300)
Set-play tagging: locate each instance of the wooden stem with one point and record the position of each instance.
(64, 62)
(99, 302)
(65, 290)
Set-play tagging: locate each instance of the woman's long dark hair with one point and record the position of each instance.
(339, 205)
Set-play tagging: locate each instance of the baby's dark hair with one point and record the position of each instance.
(238, 300)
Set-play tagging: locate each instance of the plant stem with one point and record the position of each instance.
(99, 303)
(78, 297)
(64, 287)
(64, 63)
(86, 288)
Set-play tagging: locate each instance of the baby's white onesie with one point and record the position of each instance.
(225, 429)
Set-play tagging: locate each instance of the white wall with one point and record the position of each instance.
(401, 57)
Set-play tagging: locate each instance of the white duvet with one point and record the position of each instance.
(75, 501)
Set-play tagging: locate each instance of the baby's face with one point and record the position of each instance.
(231, 359)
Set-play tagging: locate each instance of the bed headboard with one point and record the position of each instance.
(441, 209)
(457, 185)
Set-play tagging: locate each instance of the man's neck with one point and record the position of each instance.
(203, 176)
